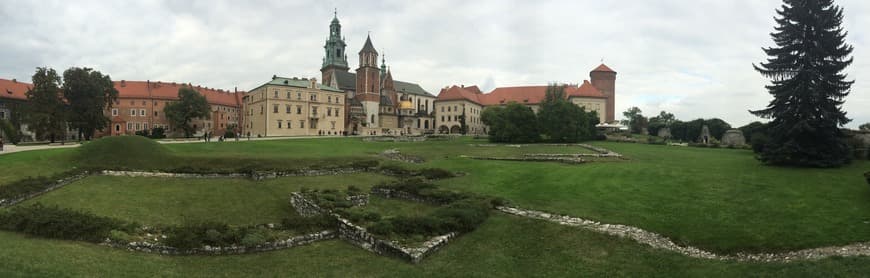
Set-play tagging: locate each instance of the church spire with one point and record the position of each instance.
(384, 65)
(335, 47)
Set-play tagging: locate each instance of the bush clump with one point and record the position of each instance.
(461, 216)
(31, 185)
(61, 223)
(436, 173)
(301, 224)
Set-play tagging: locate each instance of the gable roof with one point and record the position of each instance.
(603, 68)
(410, 88)
(13, 89)
(297, 83)
(460, 93)
(169, 91)
(523, 95)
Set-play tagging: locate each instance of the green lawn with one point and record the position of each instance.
(504, 246)
(167, 201)
(721, 200)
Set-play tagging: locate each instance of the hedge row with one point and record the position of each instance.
(30, 185)
(428, 173)
(461, 216)
(61, 223)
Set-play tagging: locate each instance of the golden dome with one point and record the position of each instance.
(406, 104)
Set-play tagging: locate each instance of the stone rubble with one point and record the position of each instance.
(661, 242)
(394, 154)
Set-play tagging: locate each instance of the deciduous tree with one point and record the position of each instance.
(88, 93)
(190, 105)
(46, 113)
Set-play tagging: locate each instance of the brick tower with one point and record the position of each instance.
(604, 79)
(368, 85)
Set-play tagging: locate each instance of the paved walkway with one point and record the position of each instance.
(7, 148)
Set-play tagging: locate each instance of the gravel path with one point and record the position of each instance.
(661, 242)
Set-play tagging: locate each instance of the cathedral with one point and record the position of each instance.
(376, 104)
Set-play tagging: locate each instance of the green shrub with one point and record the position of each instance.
(196, 235)
(436, 173)
(867, 177)
(31, 185)
(62, 223)
(255, 237)
(461, 216)
(309, 224)
(360, 164)
(120, 236)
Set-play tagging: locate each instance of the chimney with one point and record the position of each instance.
(236, 89)
(14, 80)
(123, 83)
(274, 77)
(463, 85)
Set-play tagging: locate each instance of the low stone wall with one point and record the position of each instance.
(358, 200)
(57, 184)
(257, 175)
(305, 207)
(358, 236)
(396, 194)
(567, 160)
(228, 250)
(597, 155)
(394, 139)
(394, 154)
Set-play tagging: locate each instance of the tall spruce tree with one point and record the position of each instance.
(808, 86)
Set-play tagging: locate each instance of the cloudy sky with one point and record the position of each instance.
(692, 58)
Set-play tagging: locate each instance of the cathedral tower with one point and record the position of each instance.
(368, 85)
(335, 58)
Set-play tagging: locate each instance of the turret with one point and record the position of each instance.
(604, 79)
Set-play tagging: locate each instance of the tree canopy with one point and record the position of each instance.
(514, 123)
(634, 120)
(46, 113)
(561, 121)
(808, 86)
(88, 93)
(191, 105)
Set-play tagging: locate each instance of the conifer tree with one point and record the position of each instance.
(808, 86)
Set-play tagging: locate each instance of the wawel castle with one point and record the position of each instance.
(365, 101)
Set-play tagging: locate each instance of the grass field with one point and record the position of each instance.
(167, 201)
(717, 199)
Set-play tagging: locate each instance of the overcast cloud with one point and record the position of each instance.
(690, 57)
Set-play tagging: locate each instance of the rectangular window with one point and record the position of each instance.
(337, 99)
(155, 113)
(138, 126)
(133, 112)
(288, 95)
(328, 111)
(279, 123)
(142, 112)
(302, 124)
(299, 96)
(442, 108)
(275, 108)
(336, 112)
(145, 126)
(313, 97)
(333, 124)
(289, 124)
(288, 108)
(114, 111)
(329, 99)
(129, 126)
(314, 110)
(299, 109)
(276, 94)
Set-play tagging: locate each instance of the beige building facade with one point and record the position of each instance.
(294, 107)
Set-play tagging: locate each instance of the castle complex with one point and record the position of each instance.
(367, 101)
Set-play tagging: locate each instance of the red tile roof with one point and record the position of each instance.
(604, 68)
(585, 90)
(460, 93)
(169, 91)
(14, 89)
(522, 95)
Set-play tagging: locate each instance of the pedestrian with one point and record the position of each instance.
(1, 144)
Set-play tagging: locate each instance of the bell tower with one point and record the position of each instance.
(368, 82)
(335, 57)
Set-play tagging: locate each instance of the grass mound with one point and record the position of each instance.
(135, 152)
